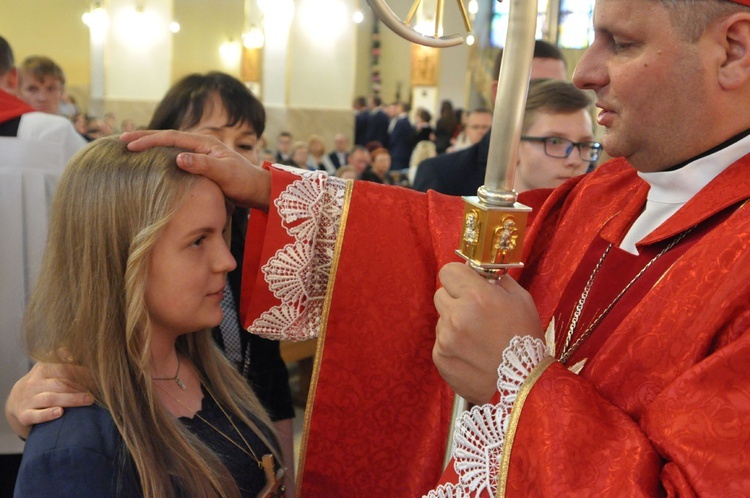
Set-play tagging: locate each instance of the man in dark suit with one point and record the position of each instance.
(456, 173)
(341, 150)
(283, 147)
(377, 126)
(361, 120)
(462, 172)
(401, 137)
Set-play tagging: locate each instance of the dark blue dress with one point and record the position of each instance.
(82, 454)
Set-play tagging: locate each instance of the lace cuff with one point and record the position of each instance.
(480, 432)
(311, 210)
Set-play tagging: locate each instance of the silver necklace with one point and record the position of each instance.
(568, 348)
(175, 377)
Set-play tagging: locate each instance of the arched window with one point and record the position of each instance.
(575, 28)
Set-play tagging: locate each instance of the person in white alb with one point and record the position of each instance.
(34, 149)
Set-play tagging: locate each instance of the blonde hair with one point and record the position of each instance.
(40, 66)
(343, 170)
(424, 149)
(109, 209)
(316, 139)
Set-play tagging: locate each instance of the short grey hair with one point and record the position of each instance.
(691, 18)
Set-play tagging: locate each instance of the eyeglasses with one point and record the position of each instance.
(562, 147)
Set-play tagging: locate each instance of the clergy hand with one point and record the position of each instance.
(478, 318)
(241, 181)
(40, 396)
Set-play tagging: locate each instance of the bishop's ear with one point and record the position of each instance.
(734, 72)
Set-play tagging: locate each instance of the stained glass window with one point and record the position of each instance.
(499, 23)
(575, 28)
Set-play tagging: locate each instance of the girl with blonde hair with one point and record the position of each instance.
(318, 158)
(131, 283)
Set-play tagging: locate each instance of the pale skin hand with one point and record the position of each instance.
(477, 321)
(42, 394)
(242, 182)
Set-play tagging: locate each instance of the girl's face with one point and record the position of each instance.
(188, 266)
(241, 137)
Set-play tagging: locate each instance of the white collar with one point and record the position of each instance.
(670, 190)
(680, 185)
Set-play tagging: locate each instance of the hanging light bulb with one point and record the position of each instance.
(277, 14)
(97, 20)
(253, 38)
(230, 52)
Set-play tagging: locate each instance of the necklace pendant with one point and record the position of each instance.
(274, 479)
(180, 383)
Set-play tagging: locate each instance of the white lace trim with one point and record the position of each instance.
(449, 490)
(480, 432)
(297, 275)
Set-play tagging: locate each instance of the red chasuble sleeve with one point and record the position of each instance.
(691, 441)
(355, 264)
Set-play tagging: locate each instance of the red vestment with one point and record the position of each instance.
(661, 407)
(12, 107)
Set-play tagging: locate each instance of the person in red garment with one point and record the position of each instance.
(638, 273)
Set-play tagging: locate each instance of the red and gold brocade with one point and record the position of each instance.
(662, 408)
(378, 413)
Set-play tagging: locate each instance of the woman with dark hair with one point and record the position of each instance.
(423, 126)
(378, 170)
(446, 126)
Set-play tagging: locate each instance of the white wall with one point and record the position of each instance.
(322, 56)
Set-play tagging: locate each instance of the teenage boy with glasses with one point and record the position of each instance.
(556, 122)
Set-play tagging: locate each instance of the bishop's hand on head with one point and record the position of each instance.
(241, 181)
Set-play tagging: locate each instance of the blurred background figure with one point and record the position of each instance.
(478, 122)
(283, 147)
(318, 159)
(41, 83)
(340, 152)
(299, 156)
(400, 136)
(425, 149)
(446, 126)
(379, 169)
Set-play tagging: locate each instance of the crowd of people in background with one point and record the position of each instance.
(392, 144)
(397, 136)
(41, 84)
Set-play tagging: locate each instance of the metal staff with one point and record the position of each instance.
(494, 223)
